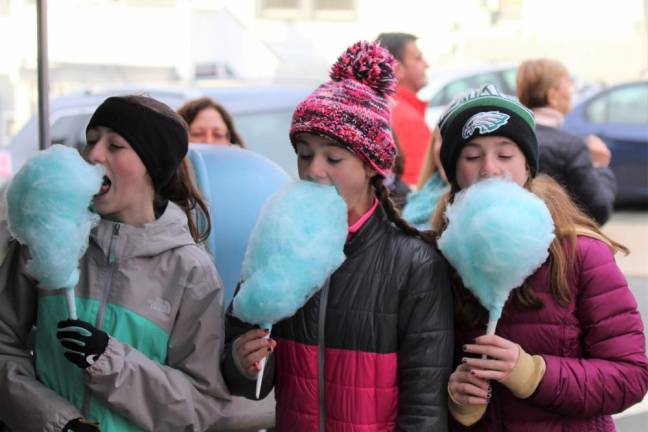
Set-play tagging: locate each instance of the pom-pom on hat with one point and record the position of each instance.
(486, 112)
(354, 108)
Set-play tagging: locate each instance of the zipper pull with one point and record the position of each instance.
(111, 250)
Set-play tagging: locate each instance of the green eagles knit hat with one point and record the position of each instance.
(485, 112)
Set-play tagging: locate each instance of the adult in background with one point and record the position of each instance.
(408, 113)
(580, 165)
(209, 123)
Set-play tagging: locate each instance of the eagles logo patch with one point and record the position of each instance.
(486, 122)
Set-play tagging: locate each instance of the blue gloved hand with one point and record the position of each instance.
(83, 343)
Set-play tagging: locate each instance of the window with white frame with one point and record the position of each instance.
(307, 9)
(146, 3)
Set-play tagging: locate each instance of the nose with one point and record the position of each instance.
(209, 138)
(95, 154)
(489, 168)
(315, 171)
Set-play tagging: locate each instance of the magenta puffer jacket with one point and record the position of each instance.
(594, 350)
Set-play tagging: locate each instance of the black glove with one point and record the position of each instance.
(83, 343)
(81, 425)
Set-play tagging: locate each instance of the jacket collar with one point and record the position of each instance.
(549, 117)
(167, 232)
(372, 230)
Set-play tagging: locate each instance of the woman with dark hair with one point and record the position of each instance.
(144, 353)
(580, 165)
(210, 123)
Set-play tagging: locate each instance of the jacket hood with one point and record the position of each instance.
(167, 232)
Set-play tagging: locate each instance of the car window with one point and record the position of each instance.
(451, 91)
(627, 105)
(509, 83)
(457, 87)
(267, 133)
(486, 78)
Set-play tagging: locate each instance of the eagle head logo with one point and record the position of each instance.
(486, 122)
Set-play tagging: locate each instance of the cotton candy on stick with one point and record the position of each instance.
(297, 243)
(48, 210)
(498, 234)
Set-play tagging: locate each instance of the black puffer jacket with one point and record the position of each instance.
(566, 158)
(386, 343)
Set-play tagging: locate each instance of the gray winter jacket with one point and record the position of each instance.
(158, 296)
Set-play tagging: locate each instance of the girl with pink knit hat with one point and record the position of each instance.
(372, 350)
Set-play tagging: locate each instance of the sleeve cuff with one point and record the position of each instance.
(110, 360)
(526, 375)
(467, 415)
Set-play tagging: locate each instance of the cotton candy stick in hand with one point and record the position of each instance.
(48, 210)
(497, 235)
(297, 243)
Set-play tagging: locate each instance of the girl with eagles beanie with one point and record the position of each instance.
(569, 349)
(372, 349)
(144, 354)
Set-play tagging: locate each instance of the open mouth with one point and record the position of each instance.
(105, 186)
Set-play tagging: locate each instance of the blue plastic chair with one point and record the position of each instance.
(235, 182)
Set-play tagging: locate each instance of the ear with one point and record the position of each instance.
(370, 171)
(552, 93)
(399, 70)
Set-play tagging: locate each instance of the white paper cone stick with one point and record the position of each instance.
(262, 364)
(71, 305)
(490, 330)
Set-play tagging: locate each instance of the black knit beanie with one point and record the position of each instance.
(486, 112)
(159, 141)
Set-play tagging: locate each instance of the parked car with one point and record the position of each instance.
(261, 113)
(443, 87)
(619, 116)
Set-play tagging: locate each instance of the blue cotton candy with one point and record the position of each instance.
(498, 234)
(47, 207)
(297, 243)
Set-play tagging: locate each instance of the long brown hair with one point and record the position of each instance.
(429, 166)
(569, 221)
(181, 189)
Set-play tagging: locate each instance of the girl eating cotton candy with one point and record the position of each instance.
(373, 345)
(569, 348)
(145, 350)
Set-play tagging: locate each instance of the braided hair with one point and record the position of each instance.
(393, 214)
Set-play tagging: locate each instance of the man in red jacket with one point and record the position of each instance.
(408, 113)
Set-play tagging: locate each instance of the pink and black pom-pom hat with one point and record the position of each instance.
(354, 109)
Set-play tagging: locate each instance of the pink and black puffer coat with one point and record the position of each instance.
(379, 335)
